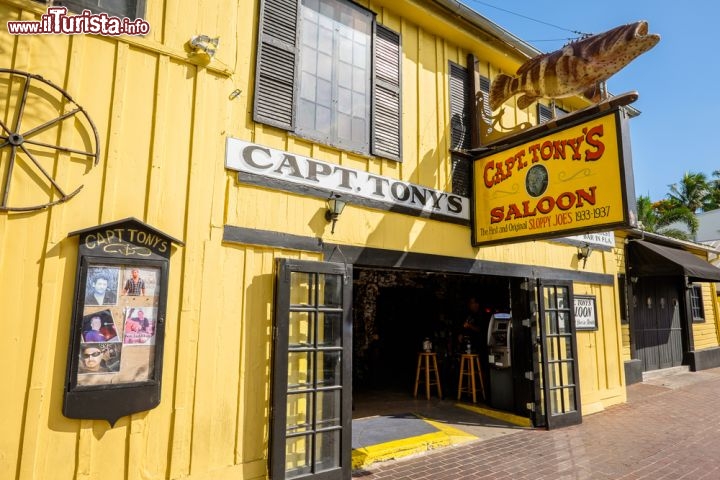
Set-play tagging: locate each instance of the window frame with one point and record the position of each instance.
(77, 6)
(332, 137)
(277, 74)
(696, 303)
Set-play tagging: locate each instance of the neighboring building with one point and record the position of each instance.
(263, 312)
(671, 304)
(708, 226)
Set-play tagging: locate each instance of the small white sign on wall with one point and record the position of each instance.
(585, 312)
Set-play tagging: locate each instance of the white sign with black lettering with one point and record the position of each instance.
(585, 312)
(296, 169)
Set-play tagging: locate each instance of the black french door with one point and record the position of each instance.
(558, 390)
(312, 372)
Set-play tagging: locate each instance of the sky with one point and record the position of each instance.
(677, 80)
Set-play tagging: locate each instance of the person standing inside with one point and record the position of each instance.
(135, 285)
(475, 329)
(475, 326)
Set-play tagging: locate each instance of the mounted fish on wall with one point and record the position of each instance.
(579, 68)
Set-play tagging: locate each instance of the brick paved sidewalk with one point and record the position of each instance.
(669, 429)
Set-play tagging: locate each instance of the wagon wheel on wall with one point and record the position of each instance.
(40, 125)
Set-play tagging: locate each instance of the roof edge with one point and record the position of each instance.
(636, 233)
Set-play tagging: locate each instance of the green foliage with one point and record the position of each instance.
(693, 193)
(657, 217)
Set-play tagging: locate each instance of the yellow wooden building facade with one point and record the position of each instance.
(166, 115)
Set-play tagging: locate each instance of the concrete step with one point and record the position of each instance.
(665, 372)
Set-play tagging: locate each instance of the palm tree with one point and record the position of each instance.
(692, 191)
(713, 200)
(659, 216)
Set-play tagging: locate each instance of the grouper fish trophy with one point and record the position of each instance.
(579, 68)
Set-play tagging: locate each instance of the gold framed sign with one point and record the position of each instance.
(577, 179)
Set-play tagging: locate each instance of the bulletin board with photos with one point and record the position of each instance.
(120, 311)
(115, 351)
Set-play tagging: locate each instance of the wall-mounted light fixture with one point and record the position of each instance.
(583, 253)
(205, 44)
(335, 206)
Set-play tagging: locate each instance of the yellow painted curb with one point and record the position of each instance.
(504, 416)
(408, 446)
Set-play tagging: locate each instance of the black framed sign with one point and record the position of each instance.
(114, 364)
(585, 312)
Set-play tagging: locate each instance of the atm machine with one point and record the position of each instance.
(500, 359)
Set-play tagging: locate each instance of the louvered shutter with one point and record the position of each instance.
(485, 85)
(386, 118)
(460, 128)
(275, 70)
(544, 113)
(459, 108)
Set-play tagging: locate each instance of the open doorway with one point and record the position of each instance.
(395, 311)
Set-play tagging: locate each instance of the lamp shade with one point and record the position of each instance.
(336, 206)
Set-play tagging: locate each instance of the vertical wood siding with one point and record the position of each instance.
(705, 334)
(163, 118)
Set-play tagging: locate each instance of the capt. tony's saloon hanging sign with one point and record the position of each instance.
(577, 179)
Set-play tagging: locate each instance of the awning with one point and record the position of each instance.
(652, 260)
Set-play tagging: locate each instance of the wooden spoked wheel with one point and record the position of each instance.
(41, 126)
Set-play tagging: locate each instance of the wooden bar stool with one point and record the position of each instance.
(469, 365)
(428, 363)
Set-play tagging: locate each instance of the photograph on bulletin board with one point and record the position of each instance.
(102, 285)
(139, 282)
(139, 326)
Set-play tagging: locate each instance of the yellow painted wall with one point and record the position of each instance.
(600, 361)
(706, 334)
(163, 117)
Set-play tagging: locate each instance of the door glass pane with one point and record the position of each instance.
(327, 452)
(555, 402)
(551, 323)
(301, 288)
(330, 329)
(568, 372)
(562, 297)
(570, 399)
(329, 368)
(298, 457)
(299, 408)
(551, 348)
(566, 348)
(330, 290)
(554, 379)
(300, 370)
(549, 294)
(563, 322)
(300, 331)
(328, 409)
